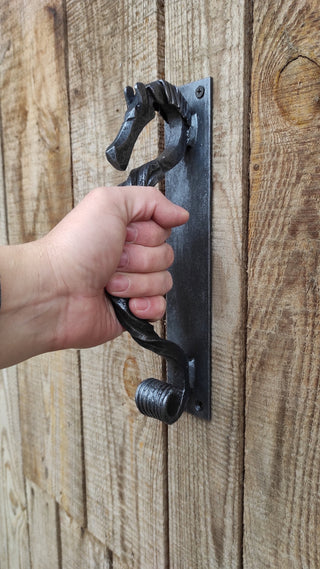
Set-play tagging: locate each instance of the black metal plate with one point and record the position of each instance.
(189, 302)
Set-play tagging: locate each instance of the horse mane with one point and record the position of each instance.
(165, 93)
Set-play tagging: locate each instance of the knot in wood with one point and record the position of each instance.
(298, 91)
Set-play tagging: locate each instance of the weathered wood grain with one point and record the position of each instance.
(37, 167)
(113, 44)
(51, 427)
(116, 563)
(206, 459)
(14, 545)
(282, 465)
(79, 549)
(45, 549)
(3, 210)
(34, 117)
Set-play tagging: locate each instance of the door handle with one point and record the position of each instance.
(165, 401)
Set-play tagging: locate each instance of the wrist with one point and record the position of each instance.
(29, 310)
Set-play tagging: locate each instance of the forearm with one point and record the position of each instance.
(29, 311)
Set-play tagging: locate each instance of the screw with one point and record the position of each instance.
(198, 406)
(200, 92)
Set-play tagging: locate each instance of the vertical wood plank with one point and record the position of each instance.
(51, 427)
(37, 166)
(79, 549)
(14, 544)
(206, 459)
(282, 496)
(113, 44)
(44, 528)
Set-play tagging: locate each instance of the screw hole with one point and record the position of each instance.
(198, 406)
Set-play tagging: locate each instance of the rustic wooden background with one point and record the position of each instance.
(86, 482)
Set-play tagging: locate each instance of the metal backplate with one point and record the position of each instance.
(189, 302)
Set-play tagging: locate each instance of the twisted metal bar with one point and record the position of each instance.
(154, 398)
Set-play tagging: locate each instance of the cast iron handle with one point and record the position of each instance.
(155, 398)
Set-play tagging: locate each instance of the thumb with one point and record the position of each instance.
(146, 203)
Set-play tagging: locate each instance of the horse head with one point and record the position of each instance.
(139, 112)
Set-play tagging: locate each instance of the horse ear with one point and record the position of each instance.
(141, 91)
(129, 95)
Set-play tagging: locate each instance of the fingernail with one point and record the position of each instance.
(118, 284)
(141, 304)
(132, 234)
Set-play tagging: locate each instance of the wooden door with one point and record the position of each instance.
(85, 480)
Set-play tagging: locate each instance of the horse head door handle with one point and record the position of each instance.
(165, 401)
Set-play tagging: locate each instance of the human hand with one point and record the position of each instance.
(114, 239)
(53, 290)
